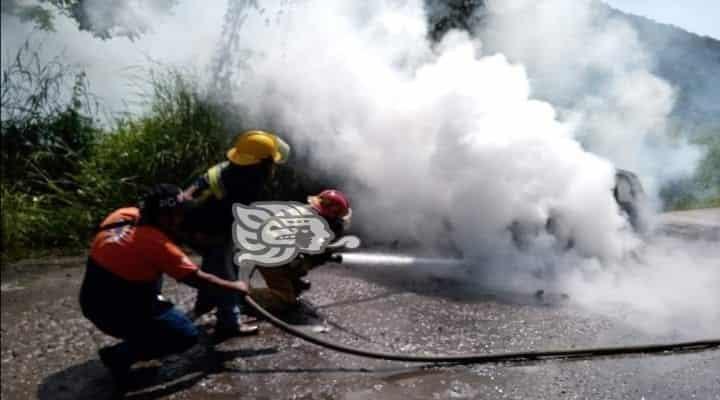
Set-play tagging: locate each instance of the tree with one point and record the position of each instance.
(102, 19)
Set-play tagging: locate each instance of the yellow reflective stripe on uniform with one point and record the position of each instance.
(203, 196)
(216, 186)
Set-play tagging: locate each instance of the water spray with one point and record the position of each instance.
(378, 259)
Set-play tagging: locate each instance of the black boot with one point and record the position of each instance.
(118, 364)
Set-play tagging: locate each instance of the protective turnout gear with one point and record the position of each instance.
(243, 179)
(286, 283)
(251, 147)
(213, 194)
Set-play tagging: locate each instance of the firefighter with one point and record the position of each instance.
(120, 292)
(242, 178)
(287, 282)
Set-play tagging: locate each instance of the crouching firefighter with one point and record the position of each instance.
(286, 283)
(131, 251)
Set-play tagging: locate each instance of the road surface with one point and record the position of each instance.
(49, 350)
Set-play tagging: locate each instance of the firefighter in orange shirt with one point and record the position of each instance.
(131, 252)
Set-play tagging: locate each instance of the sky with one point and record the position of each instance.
(697, 16)
(114, 65)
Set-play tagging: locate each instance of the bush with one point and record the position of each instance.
(703, 189)
(62, 174)
(34, 224)
(45, 129)
(180, 136)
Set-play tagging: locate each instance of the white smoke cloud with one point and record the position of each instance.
(593, 66)
(450, 141)
(116, 67)
(440, 130)
(447, 140)
(669, 286)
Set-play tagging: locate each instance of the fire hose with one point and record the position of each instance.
(482, 358)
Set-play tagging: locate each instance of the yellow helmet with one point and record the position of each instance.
(253, 146)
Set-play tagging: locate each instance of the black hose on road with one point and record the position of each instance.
(485, 358)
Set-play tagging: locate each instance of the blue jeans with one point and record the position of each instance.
(168, 333)
(149, 329)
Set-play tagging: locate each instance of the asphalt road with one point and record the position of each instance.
(49, 350)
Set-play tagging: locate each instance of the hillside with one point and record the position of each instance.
(689, 62)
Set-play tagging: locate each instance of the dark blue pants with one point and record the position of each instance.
(168, 333)
(151, 329)
(219, 262)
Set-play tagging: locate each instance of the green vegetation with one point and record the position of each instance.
(703, 189)
(180, 136)
(61, 171)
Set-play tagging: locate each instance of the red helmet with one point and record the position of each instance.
(330, 204)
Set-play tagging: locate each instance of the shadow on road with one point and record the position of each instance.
(88, 380)
(92, 381)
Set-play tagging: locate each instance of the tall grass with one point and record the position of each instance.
(61, 172)
(178, 138)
